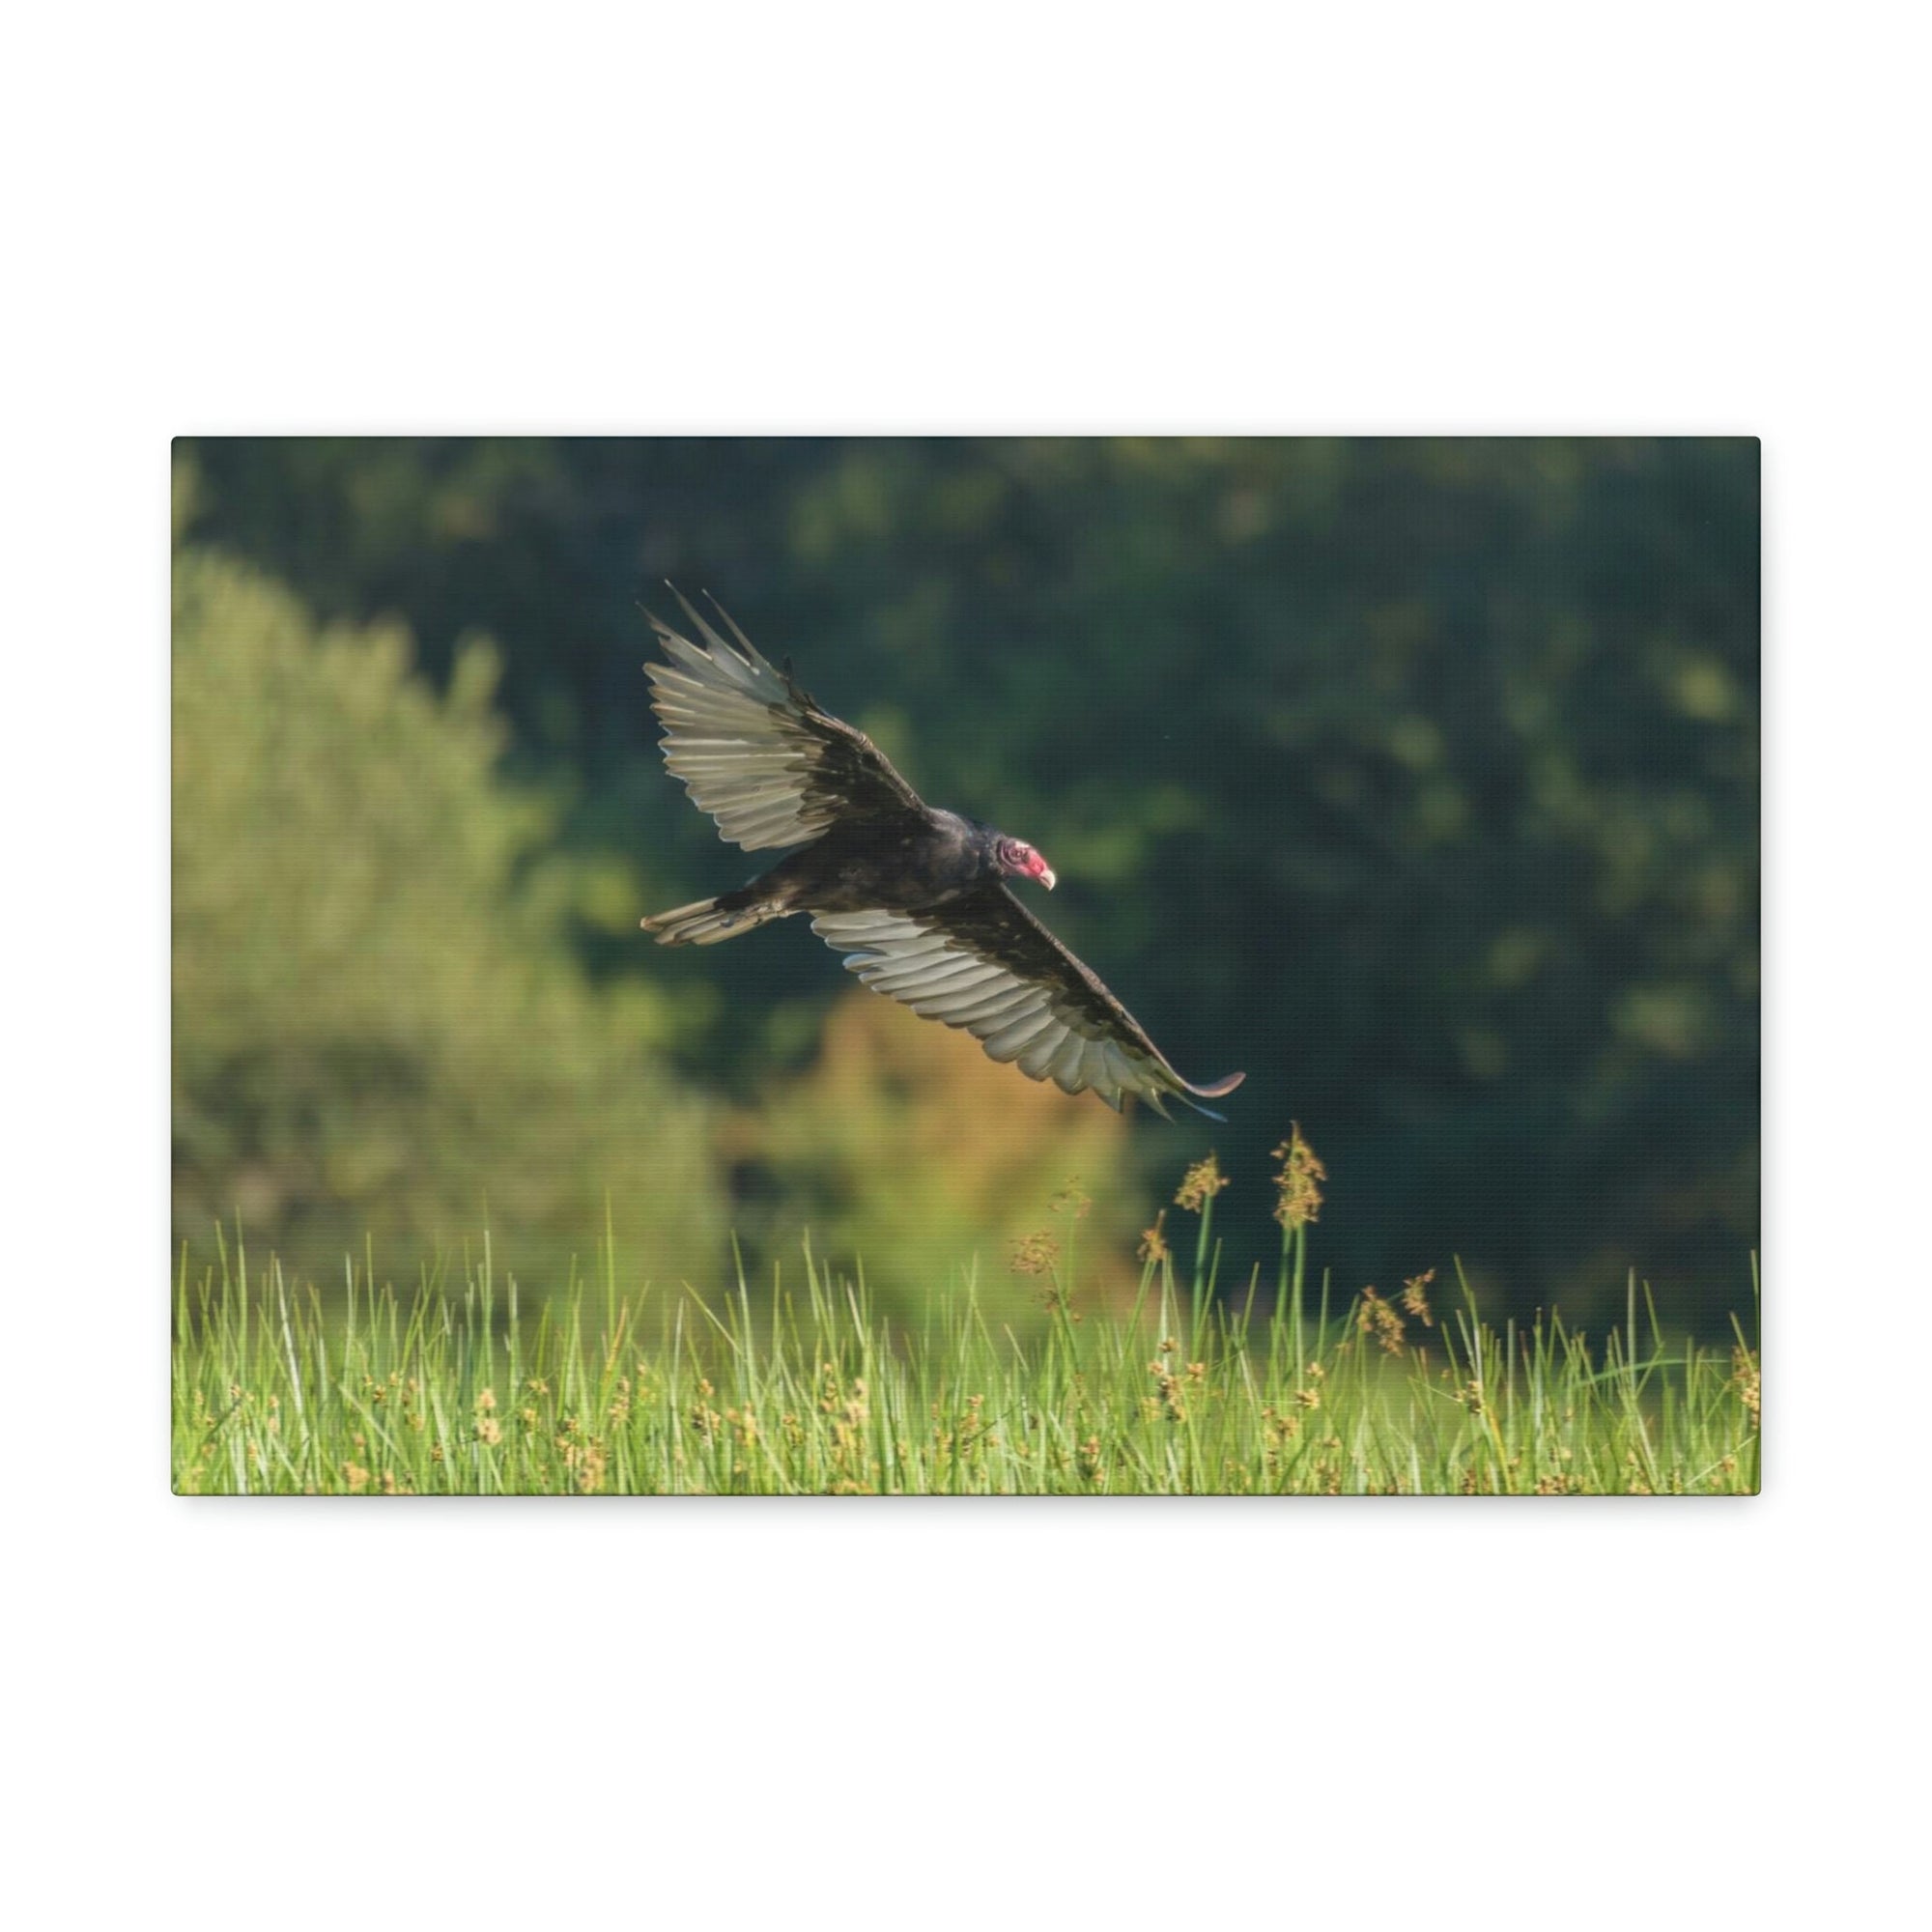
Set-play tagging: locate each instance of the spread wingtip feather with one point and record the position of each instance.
(1220, 1089)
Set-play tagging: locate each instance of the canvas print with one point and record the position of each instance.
(965, 966)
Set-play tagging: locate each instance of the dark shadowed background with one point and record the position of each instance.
(1417, 777)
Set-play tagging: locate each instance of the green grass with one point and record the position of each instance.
(468, 1388)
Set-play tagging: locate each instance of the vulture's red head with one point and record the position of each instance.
(1017, 857)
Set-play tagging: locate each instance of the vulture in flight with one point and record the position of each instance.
(915, 898)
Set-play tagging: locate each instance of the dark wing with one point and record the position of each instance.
(984, 963)
(754, 750)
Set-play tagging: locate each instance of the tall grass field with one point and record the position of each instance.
(461, 1386)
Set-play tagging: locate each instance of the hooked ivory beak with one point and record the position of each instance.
(1045, 877)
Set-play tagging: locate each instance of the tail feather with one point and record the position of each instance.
(705, 921)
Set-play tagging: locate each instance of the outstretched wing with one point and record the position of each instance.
(754, 750)
(983, 964)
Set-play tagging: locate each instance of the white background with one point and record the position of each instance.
(1686, 218)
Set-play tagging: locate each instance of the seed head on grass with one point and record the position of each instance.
(585, 1461)
(1376, 1317)
(1416, 1297)
(1154, 1242)
(1746, 1381)
(1169, 1385)
(1200, 1184)
(1035, 1253)
(1299, 1181)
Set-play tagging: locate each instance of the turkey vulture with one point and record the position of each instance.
(913, 898)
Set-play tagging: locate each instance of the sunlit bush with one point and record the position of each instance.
(922, 1154)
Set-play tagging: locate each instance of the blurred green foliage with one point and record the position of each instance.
(377, 1023)
(1419, 778)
